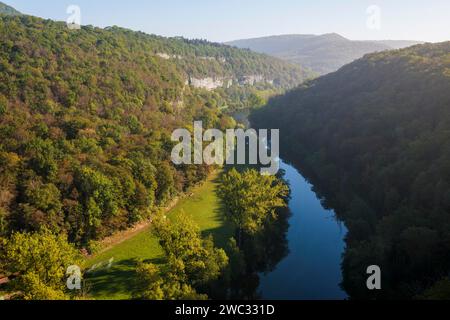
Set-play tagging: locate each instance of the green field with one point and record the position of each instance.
(117, 280)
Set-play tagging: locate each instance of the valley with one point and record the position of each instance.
(126, 172)
(312, 236)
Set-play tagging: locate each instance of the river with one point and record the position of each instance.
(312, 269)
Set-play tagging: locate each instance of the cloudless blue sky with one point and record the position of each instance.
(223, 20)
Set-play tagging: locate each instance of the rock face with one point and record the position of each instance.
(210, 83)
(166, 56)
(252, 80)
(221, 59)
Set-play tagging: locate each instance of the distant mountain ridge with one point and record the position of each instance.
(320, 53)
(8, 10)
(397, 44)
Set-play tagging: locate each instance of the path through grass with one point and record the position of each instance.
(117, 281)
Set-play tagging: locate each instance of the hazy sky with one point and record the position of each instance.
(223, 20)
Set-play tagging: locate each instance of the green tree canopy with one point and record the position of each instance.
(40, 260)
(251, 198)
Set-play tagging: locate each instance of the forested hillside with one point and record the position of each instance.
(86, 117)
(374, 137)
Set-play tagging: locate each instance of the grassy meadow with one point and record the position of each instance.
(114, 277)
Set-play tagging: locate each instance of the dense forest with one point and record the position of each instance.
(85, 121)
(374, 138)
(86, 118)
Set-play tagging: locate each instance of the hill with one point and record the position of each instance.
(398, 44)
(86, 118)
(7, 10)
(374, 138)
(322, 54)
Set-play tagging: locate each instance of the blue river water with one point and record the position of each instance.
(312, 270)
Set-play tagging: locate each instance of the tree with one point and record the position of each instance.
(155, 284)
(251, 199)
(3, 105)
(33, 288)
(192, 263)
(41, 206)
(439, 291)
(150, 282)
(165, 183)
(99, 197)
(183, 245)
(40, 260)
(42, 155)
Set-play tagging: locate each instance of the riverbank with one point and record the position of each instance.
(312, 268)
(112, 274)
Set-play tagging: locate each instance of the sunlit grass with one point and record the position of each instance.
(118, 281)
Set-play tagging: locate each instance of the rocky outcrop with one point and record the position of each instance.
(166, 56)
(220, 59)
(252, 80)
(210, 83)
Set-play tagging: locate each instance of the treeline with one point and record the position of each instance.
(374, 138)
(36, 264)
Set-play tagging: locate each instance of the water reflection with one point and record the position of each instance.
(312, 269)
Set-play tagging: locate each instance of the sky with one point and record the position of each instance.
(225, 20)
